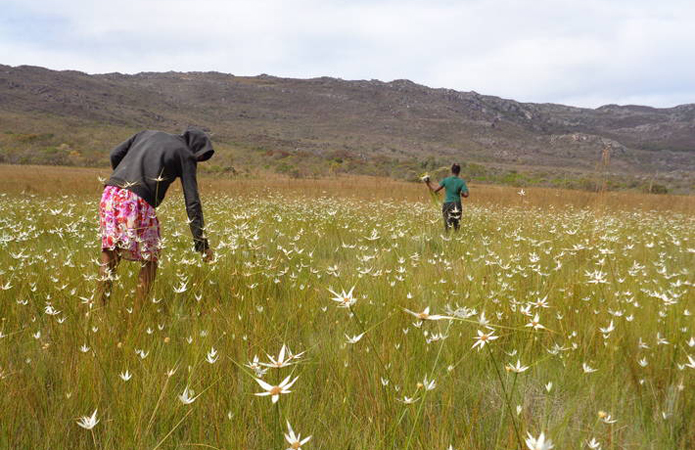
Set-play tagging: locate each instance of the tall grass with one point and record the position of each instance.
(280, 248)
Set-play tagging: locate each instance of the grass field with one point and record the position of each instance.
(584, 302)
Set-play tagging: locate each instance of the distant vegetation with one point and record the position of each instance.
(49, 149)
(325, 126)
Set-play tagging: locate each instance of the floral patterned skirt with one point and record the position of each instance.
(129, 225)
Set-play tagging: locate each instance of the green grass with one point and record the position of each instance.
(277, 257)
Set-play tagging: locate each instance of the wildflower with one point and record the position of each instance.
(408, 400)
(518, 368)
(88, 422)
(535, 323)
(354, 339)
(428, 384)
(587, 368)
(129, 184)
(255, 365)
(593, 444)
(525, 310)
(181, 288)
(482, 320)
(690, 363)
(295, 441)
(344, 300)
(284, 358)
(212, 356)
(608, 329)
(483, 339)
(125, 376)
(159, 179)
(596, 277)
(425, 315)
(538, 444)
(275, 391)
(606, 418)
(51, 311)
(187, 396)
(541, 302)
(660, 340)
(435, 337)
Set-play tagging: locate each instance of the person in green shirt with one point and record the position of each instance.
(455, 188)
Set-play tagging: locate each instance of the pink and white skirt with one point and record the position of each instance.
(129, 225)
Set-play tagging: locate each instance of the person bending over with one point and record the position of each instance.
(143, 168)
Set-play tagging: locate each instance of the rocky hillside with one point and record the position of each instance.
(323, 125)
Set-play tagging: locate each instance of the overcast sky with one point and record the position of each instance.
(578, 52)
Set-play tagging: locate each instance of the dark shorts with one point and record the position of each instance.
(451, 211)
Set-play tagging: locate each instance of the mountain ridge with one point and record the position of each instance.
(325, 77)
(331, 124)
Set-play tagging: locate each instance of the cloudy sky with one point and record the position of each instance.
(578, 52)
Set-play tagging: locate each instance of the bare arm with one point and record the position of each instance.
(435, 190)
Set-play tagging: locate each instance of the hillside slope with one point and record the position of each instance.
(322, 125)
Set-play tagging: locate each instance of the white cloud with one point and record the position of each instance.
(584, 53)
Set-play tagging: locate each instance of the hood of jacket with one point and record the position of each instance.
(199, 143)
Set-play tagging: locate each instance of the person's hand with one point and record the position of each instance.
(208, 255)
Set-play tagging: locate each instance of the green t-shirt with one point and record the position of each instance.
(453, 187)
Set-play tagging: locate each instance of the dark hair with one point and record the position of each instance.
(455, 169)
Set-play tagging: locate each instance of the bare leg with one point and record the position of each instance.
(148, 272)
(109, 263)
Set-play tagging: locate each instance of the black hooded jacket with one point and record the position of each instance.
(150, 161)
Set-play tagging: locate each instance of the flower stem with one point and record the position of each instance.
(371, 344)
(278, 426)
(506, 399)
(424, 394)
